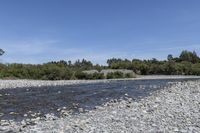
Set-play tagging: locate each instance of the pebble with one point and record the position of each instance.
(80, 110)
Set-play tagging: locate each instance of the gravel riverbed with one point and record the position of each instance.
(4, 84)
(174, 109)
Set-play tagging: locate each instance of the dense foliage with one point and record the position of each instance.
(188, 63)
(60, 70)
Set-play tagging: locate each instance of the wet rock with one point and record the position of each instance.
(13, 113)
(128, 105)
(80, 110)
(58, 109)
(1, 114)
(50, 117)
(64, 113)
(34, 115)
(126, 94)
(35, 119)
(4, 123)
(23, 122)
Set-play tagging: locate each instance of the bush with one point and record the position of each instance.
(80, 75)
(110, 75)
(98, 76)
(129, 75)
(115, 75)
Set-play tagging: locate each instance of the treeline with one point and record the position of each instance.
(188, 63)
(60, 70)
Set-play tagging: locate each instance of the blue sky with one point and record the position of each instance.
(38, 31)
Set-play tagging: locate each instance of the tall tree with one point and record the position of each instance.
(189, 56)
(1, 52)
(169, 57)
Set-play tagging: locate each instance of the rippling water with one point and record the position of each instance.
(14, 103)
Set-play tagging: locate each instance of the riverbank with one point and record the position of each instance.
(39, 83)
(174, 109)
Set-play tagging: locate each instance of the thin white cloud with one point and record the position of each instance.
(182, 47)
(48, 50)
(41, 51)
(27, 47)
(162, 52)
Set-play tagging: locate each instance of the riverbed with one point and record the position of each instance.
(66, 101)
(31, 102)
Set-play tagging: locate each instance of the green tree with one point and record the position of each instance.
(1, 52)
(189, 56)
(170, 57)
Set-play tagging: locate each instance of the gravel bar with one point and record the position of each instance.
(4, 84)
(174, 109)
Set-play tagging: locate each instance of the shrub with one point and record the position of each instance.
(113, 75)
(98, 76)
(129, 75)
(110, 75)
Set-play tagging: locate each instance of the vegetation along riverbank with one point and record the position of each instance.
(188, 63)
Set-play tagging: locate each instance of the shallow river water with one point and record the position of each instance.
(14, 103)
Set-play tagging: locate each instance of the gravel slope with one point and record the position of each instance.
(176, 109)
